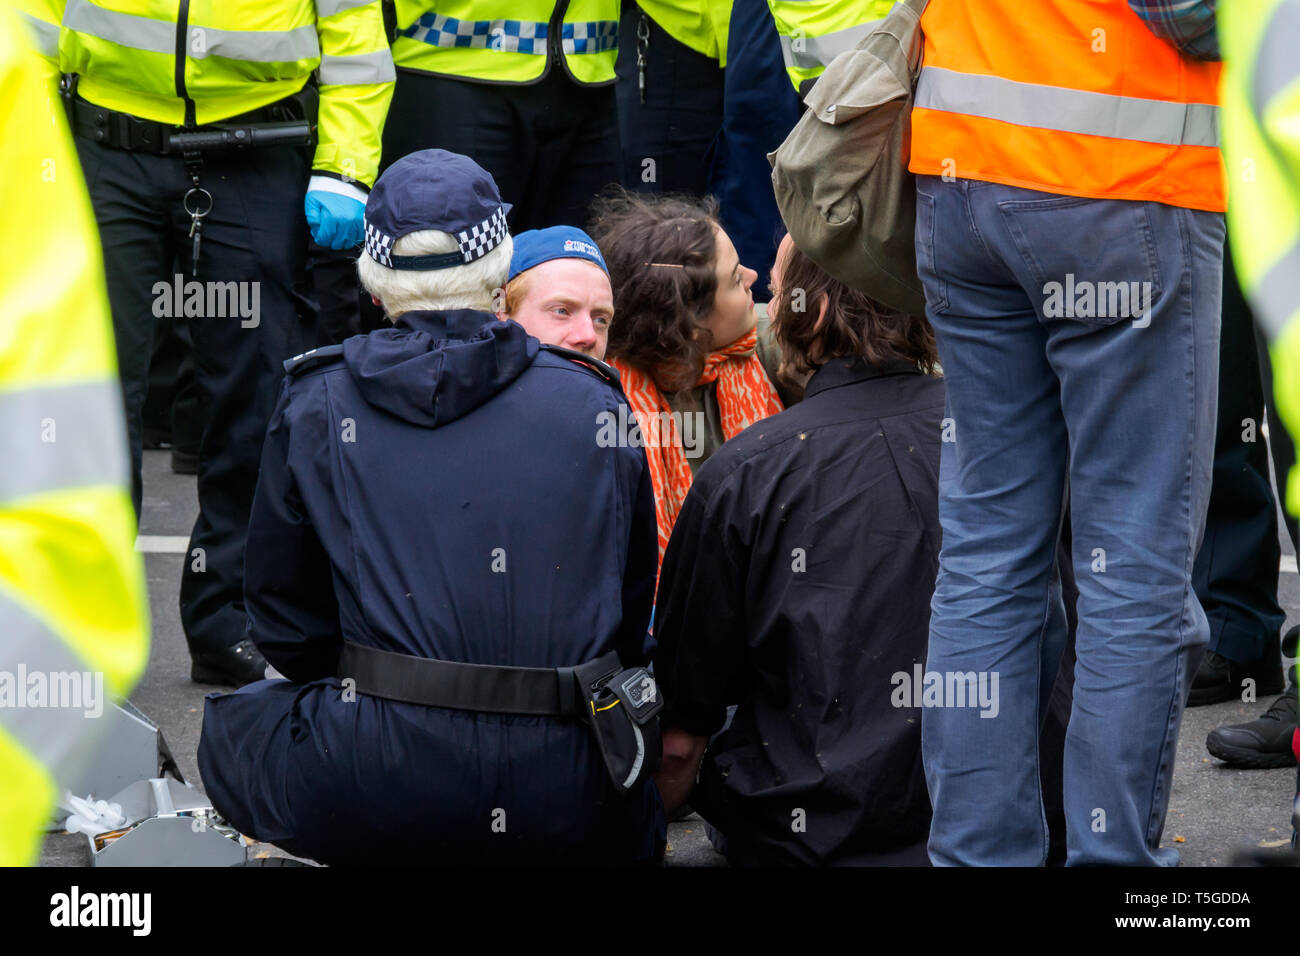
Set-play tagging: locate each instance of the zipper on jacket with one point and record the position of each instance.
(555, 39)
(182, 28)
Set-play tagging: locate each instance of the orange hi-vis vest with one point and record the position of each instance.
(1075, 97)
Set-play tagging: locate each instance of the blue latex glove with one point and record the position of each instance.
(335, 220)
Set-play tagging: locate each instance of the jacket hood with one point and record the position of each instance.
(432, 368)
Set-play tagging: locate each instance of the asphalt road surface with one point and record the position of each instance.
(1214, 812)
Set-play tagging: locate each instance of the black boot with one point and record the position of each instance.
(1261, 743)
(1219, 679)
(232, 666)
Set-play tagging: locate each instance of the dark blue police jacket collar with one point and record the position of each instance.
(431, 368)
(449, 324)
(851, 369)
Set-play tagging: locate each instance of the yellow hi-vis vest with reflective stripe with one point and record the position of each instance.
(1076, 99)
(814, 32)
(701, 25)
(1259, 40)
(508, 41)
(209, 60)
(72, 594)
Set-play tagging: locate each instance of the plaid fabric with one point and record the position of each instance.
(1187, 24)
(378, 246)
(591, 37)
(475, 242)
(512, 36)
(479, 240)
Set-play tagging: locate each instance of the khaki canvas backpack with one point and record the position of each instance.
(841, 178)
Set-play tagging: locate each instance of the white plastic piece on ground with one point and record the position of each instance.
(91, 818)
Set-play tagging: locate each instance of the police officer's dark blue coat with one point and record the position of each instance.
(437, 490)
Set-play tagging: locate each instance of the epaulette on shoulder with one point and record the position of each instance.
(593, 365)
(313, 359)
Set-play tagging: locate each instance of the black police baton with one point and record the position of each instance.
(292, 133)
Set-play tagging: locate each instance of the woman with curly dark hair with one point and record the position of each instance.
(695, 364)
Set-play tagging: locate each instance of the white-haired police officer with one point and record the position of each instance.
(452, 571)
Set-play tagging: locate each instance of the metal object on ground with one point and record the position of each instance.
(131, 749)
(167, 824)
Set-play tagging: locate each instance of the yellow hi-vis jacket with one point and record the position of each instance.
(508, 41)
(1261, 143)
(72, 596)
(701, 25)
(814, 32)
(209, 60)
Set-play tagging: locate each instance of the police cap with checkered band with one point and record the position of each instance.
(434, 189)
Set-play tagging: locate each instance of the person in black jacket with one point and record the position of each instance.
(436, 490)
(797, 585)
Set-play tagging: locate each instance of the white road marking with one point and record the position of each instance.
(179, 544)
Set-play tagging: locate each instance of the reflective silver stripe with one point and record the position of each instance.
(1276, 296)
(124, 29)
(45, 34)
(57, 736)
(64, 436)
(358, 68)
(255, 46)
(1069, 111)
(159, 36)
(328, 8)
(1277, 65)
(809, 53)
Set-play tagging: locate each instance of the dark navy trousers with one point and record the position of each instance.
(256, 233)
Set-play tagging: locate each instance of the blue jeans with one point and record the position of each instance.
(1063, 382)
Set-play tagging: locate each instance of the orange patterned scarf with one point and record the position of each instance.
(745, 395)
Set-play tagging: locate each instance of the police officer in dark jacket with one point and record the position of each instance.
(436, 490)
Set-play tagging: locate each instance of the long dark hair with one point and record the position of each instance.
(856, 324)
(662, 258)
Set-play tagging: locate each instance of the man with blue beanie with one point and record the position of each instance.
(559, 290)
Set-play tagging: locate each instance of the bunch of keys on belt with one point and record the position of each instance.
(642, 44)
(196, 219)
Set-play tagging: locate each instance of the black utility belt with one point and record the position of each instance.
(259, 128)
(619, 705)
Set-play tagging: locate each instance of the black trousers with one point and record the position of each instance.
(173, 407)
(255, 235)
(343, 308)
(667, 140)
(1235, 575)
(550, 146)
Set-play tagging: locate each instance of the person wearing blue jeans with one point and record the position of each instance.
(1060, 391)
